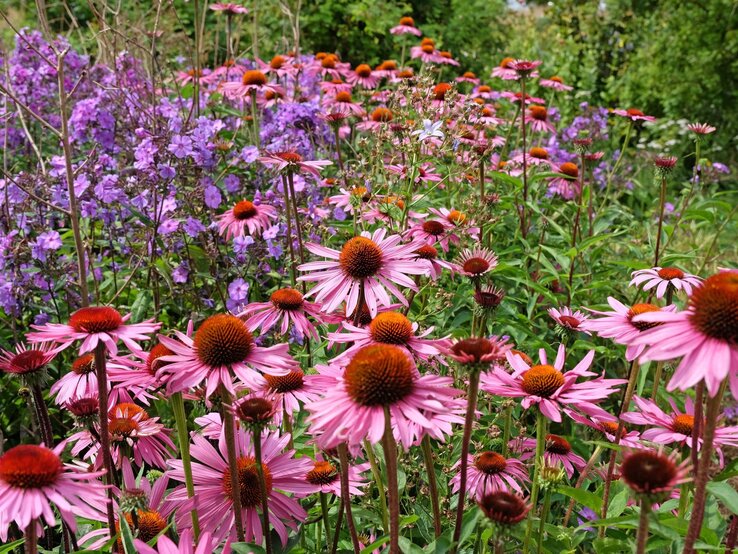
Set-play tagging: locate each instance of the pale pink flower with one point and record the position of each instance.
(26, 361)
(245, 216)
(252, 81)
(555, 83)
(557, 452)
(324, 477)
(701, 128)
(489, 472)
(634, 115)
(663, 277)
(608, 425)
(228, 8)
(187, 544)
(406, 27)
(293, 162)
(568, 319)
(341, 102)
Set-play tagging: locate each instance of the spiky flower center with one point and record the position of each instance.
(477, 348)
(475, 265)
(557, 445)
(670, 273)
(95, 319)
(255, 410)
(83, 407)
(288, 299)
(456, 217)
(715, 307)
(612, 427)
(440, 90)
(277, 62)
(323, 473)
(84, 364)
(343, 96)
(427, 252)
(490, 463)
(329, 61)
(391, 328)
(489, 297)
(148, 523)
(539, 112)
(503, 507)
(382, 115)
(153, 363)
(379, 375)
(27, 361)
(637, 309)
(285, 383)
(407, 21)
(30, 467)
(433, 227)
(542, 380)
(223, 340)
(248, 482)
(469, 75)
(569, 169)
(254, 77)
(484, 89)
(683, 424)
(125, 418)
(569, 321)
(428, 48)
(245, 209)
(634, 112)
(647, 471)
(538, 152)
(556, 79)
(506, 62)
(360, 258)
(363, 70)
(290, 157)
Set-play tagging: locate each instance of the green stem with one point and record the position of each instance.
(183, 436)
(683, 500)
(540, 445)
(506, 431)
(263, 492)
(229, 430)
(657, 379)
(378, 482)
(432, 485)
(642, 539)
(346, 495)
(662, 205)
(580, 481)
(324, 510)
(542, 523)
(614, 168)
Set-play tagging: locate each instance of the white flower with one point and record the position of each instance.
(430, 129)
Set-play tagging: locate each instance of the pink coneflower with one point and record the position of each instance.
(132, 432)
(406, 27)
(537, 118)
(517, 98)
(557, 452)
(390, 328)
(556, 83)
(203, 76)
(34, 481)
(293, 162)
(286, 307)
(504, 70)
(135, 375)
(187, 544)
(488, 297)
(372, 263)
(489, 472)
(324, 477)
(364, 77)
(475, 263)
(434, 232)
(80, 382)
(436, 265)
(92, 325)
(279, 65)
(468, 77)
(230, 69)
(701, 128)
(222, 346)
(379, 118)
(677, 426)
(619, 325)
(329, 66)
(634, 114)
(504, 508)
(27, 361)
(652, 473)
(288, 391)
(548, 387)
(567, 184)
(536, 156)
(245, 216)
(524, 68)
(423, 173)
(252, 81)
(348, 199)
(426, 52)
(705, 335)
(569, 320)
(228, 8)
(380, 375)
(490, 351)
(283, 473)
(608, 425)
(663, 277)
(342, 102)
(457, 218)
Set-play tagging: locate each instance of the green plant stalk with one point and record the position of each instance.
(657, 378)
(523, 208)
(183, 436)
(606, 195)
(379, 484)
(390, 457)
(580, 481)
(481, 198)
(229, 429)
(326, 521)
(432, 484)
(642, 539)
(471, 407)
(506, 431)
(256, 435)
(662, 205)
(542, 523)
(540, 445)
(683, 500)
(346, 495)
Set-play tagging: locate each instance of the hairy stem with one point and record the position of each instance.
(102, 382)
(229, 428)
(390, 457)
(642, 539)
(346, 495)
(262, 492)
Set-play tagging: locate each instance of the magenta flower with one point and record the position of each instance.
(608, 425)
(380, 375)
(491, 472)
(372, 263)
(134, 376)
(548, 386)
(701, 128)
(187, 544)
(342, 103)
(289, 391)
(557, 452)
(364, 77)
(475, 263)
(92, 325)
(663, 277)
(292, 161)
(323, 476)
(634, 115)
(222, 346)
(26, 361)
(406, 27)
(252, 81)
(555, 83)
(34, 481)
(283, 474)
(286, 307)
(434, 232)
(81, 382)
(243, 216)
(705, 335)
(228, 8)
(568, 319)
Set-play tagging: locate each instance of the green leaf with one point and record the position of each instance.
(129, 546)
(586, 498)
(11, 546)
(618, 503)
(140, 306)
(725, 493)
(407, 546)
(376, 544)
(247, 548)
